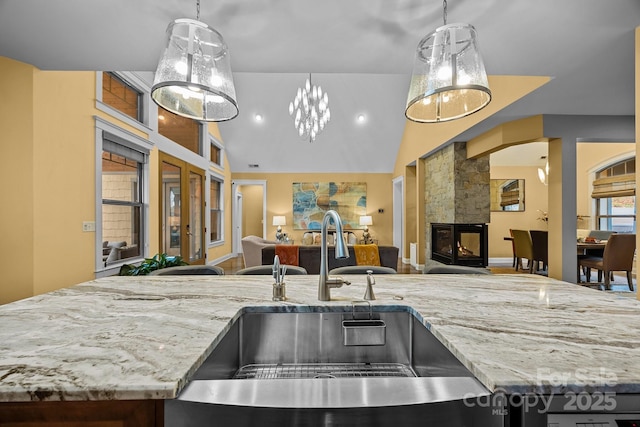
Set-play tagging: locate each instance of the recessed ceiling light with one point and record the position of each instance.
(258, 117)
(361, 118)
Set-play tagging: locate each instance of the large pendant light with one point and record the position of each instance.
(310, 110)
(449, 80)
(193, 78)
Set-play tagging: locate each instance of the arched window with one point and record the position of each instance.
(614, 190)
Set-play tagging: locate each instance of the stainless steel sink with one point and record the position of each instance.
(343, 365)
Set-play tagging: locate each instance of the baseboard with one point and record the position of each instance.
(501, 261)
(222, 259)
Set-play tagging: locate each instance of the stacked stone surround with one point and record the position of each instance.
(456, 189)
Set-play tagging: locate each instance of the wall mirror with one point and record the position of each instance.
(507, 195)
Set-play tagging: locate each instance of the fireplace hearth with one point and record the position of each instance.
(460, 244)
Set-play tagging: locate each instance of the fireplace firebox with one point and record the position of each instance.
(460, 244)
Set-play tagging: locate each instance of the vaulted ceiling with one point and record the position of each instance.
(360, 51)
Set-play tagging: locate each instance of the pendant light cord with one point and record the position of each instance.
(197, 10)
(444, 11)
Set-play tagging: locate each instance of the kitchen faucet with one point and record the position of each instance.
(326, 283)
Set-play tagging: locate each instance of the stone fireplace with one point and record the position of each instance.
(457, 206)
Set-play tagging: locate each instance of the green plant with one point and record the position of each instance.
(158, 262)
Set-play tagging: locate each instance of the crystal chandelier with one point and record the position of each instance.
(449, 80)
(193, 78)
(310, 110)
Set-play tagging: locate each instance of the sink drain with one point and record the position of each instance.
(323, 370)
(324, 376)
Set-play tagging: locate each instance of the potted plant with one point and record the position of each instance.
(158, 262)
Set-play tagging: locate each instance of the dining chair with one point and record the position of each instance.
(598, 235)
(618, 256)
(513, 248)
(540, 249)
(361, 269)
(189, 270)
(524, 248)
(268, 270)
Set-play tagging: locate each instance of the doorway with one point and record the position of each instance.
(250, 199)
(182, 226)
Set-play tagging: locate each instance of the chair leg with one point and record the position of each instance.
(630, 281)
(531, 264)
(600, 276)
(579, 279)
(607, 279)
(588, 275)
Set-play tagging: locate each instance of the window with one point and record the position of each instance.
(215, 156)
(614, 190)
(181, 130)
(122, 96)
(215, 210)
(122, 206)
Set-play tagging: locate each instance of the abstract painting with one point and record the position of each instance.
(312, 199)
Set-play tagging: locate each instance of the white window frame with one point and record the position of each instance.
(217, 144)
(137, 83)
(137, 143)
(213, 176)
(623, 157)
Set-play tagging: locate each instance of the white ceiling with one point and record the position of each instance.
(360, 51)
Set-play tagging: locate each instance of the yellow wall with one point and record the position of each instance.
(535, 196)
(47, 160)
(280, 197)
(16, 173)
(64, 167)
(48, 141)
(411, 211)
(637, 135)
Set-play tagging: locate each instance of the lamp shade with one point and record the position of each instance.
(279, 220)
(193, 78)
(366, 220)
(449, 80)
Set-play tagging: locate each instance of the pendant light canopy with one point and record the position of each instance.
(193, 78)
(449, 80)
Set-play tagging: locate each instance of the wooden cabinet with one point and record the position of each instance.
(104, 413)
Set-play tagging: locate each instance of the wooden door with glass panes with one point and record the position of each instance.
(182, 227)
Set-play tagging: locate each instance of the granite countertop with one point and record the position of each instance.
(142, 338)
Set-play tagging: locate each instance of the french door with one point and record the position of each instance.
(182, 227)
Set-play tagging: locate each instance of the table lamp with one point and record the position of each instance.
(279, 220)
(366, 220)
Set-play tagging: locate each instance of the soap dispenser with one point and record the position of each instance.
(369, 295)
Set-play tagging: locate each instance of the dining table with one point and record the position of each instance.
(583, 246)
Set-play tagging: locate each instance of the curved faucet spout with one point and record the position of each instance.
(326, 283)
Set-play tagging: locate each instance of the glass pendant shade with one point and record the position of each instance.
(193, 78)
(449, 80)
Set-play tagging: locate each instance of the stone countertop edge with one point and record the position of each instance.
(143, 338)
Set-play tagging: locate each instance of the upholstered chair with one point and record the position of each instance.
(618, 256)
